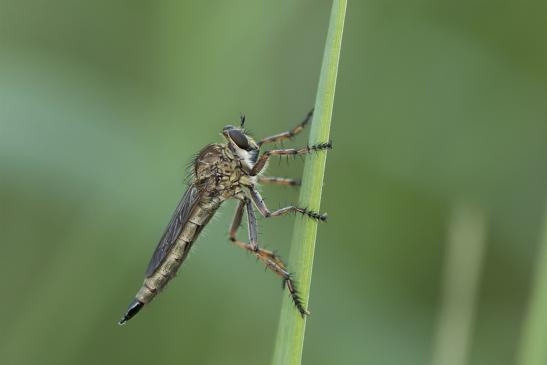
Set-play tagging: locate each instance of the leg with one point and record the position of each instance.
(289, 134)
(263, 209)
(271, 260)
(251, 219)
(259, 165)
(278, 181)
(263, 254)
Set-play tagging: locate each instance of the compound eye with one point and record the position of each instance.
(239, 139)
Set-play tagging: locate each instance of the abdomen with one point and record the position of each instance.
(169, 267)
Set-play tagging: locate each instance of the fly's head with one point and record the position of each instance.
(241, 144)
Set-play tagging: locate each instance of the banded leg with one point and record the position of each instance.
(272, 180)
(253, 246)
(261, 163)
(263, 209)
(288, 134)
(271, 260)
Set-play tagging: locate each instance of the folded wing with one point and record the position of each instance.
(172, 231)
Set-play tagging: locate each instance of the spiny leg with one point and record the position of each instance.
(261, 163)
(271, 260)
(236, 222)
(263, 209)
(288, 134)
(273, 180)
(251, 220)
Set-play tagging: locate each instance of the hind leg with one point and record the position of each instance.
(268, 258)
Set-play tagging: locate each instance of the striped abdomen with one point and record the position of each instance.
(158, 279)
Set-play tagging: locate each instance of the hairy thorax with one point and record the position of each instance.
(220, 173)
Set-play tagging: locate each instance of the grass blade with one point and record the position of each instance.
(290, 335)
(460, 283)
(533, 349)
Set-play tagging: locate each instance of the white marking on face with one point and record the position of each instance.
(247, 156)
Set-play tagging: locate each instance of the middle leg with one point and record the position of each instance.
(263, 209)
(273, 180)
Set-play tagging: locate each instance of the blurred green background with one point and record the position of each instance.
(103, 103)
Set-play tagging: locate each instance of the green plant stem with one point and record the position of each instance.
(290, 335)
(533, 349)
(460, 280)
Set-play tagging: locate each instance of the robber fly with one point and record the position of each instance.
(229, 170)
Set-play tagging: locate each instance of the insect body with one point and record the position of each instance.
(230, 170)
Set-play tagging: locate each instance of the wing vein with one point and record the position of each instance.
(179, 218)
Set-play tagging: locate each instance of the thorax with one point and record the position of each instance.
(221, 172)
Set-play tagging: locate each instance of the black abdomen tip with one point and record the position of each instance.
(133, 309)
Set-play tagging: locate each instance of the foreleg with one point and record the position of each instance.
(288, 134)
(259, 166)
